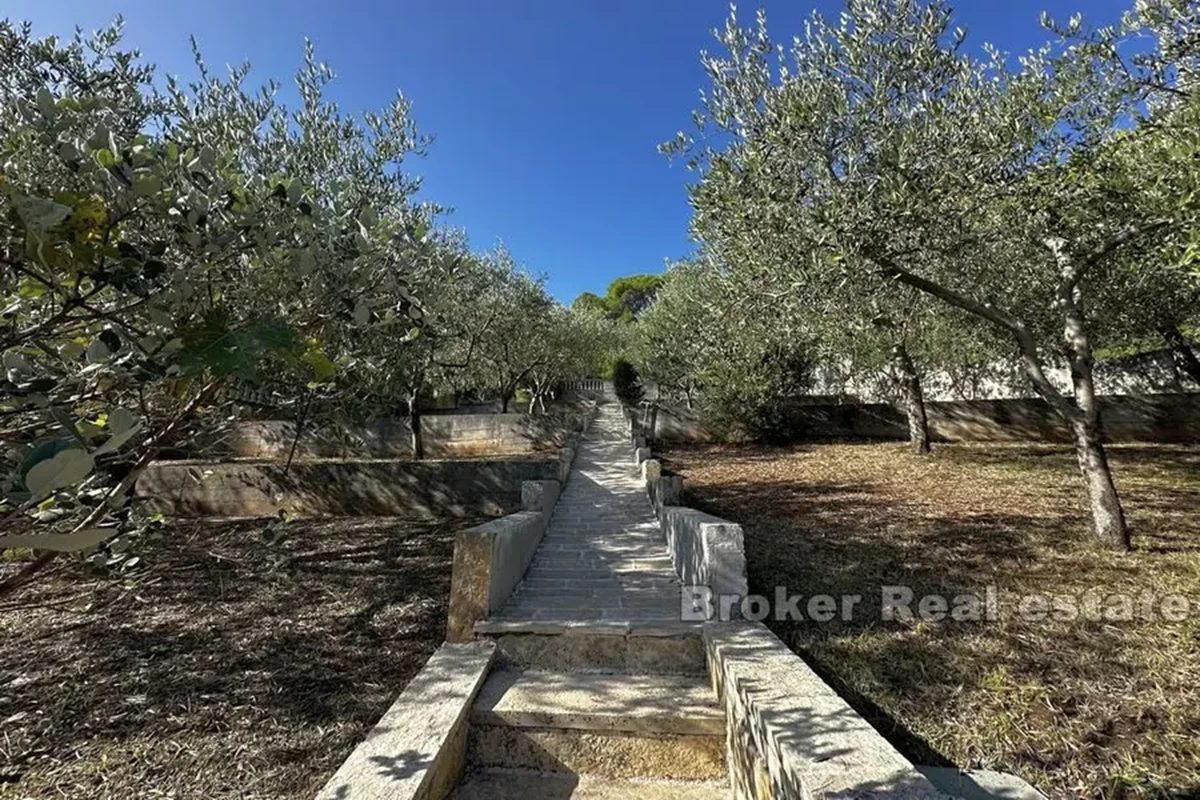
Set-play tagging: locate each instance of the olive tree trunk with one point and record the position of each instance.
(1108, 517)
(414, 424)
(1082, 418)
(914, 399)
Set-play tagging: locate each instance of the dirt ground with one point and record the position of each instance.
(220, 665)
(1081, 708)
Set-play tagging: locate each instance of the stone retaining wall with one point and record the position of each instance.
(1144, 418)
(449, 435)
(790, 735)
(339, 488)
(706, 550)
(491, 559)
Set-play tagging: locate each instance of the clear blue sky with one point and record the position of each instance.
(546, 113)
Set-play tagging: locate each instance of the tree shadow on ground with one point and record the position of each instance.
(242, 658)
(1060, 702)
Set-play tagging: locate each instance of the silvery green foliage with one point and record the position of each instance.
(879, 150)
(879, 137)
(678, 339)
(571, 345)
(736, 349)
(158, 246)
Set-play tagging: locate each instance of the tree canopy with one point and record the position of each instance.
(876, 167)
(169, 247)
(627, 298)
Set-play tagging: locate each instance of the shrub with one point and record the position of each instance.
(761, 400)
(627, 383)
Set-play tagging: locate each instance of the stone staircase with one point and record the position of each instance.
(585, 682)
(599, 690)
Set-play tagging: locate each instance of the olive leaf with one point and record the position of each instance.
(65, 468)
(60, 542)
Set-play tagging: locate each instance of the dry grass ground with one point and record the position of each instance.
(220, 666)
(1081, 709)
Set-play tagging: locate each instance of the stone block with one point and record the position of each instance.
(980, 784)
(596, 650)
(515, 538)
(809, 741)
(644, 704)
(539, 495)
(470, 583)
(669, 491)
(651, 471)
(499, 785)
(566, 457)
(610, 754)
(489, 561)
(706, 550)
(417, 750)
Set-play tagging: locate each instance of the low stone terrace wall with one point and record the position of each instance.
(340, 488)
(1141, 418)
(491, 559)
(450, 435)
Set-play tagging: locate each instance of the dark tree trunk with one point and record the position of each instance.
(1181, 352)
(1108, 517)
(914, 400)
(505, 397)
(298, 432)
(414, 423)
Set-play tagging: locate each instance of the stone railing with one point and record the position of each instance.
(705, 550)
(594, 388)
(490, 559)
(789, 734)
(418, 750)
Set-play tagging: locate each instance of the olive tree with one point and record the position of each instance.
(996, 191)
(573, 344)
(159, 247)
(517, 343)
(674, 336)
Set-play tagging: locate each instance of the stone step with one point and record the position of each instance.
(661, 648)
(525, 785)
(606, 754)
(647, 704)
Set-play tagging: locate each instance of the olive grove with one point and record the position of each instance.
(168, 247)
(1026, 198)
